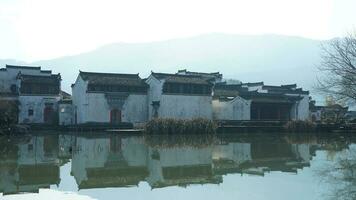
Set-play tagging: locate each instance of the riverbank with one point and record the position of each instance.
(195, 126)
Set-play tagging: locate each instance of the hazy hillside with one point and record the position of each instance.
(3, 62)
(270, 58)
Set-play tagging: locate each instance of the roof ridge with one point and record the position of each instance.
(110, 74)
(178, 75)
(23, 66)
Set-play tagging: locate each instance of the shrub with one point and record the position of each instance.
(300, 126)
(180, 126)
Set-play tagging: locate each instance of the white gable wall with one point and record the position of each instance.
(79, 98)
(154, 93)
(236, 109)
(178, 106)
(300, 110)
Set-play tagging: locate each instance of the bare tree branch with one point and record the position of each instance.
(338, 66)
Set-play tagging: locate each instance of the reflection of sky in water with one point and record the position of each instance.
(276, 185)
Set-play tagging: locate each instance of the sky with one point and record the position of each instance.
(33, 30)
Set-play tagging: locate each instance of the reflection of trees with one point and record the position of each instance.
(342, 175)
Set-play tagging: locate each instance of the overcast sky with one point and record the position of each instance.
(44, 29)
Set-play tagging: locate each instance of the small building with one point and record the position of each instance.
(109, 98)
(35, 91)
(179, 96)
(256, 101)
(330, 113)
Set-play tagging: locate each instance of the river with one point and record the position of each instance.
(111, 166)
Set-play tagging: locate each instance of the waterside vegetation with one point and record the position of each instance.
(180, 126)
(300, 126)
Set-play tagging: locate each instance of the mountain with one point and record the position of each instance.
(274, 59)
(3, 62)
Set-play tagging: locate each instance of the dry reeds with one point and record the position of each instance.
(180, 126)
(300, 126)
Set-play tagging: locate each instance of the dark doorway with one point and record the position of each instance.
(270, 111)
(48, 115)
(115, 116)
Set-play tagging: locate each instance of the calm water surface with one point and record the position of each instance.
(109, 166)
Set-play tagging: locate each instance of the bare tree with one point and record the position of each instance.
(341, 174)
(338, 65)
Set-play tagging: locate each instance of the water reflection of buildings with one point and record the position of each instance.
(28, 164)
(31, 163)
(180, 166)
(109, 162)
(122, 162)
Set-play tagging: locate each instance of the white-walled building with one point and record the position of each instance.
(35, 91)
(179, 96)
(256, 101)
(109, 98)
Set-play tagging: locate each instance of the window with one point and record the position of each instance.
(62, 110)
(30, 112)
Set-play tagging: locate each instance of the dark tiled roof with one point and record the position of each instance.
(23, 67)
(228, 90)
(253, 84)
(65, 95)
(65, 101)
(112, 79)
(213, 74)
(46, 71)
(184, 79)
(269, 97)
(53, 79)
(284, 89)
(26, 67)
(291, 86)
(226, 93)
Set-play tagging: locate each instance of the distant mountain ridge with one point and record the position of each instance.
(274, 59)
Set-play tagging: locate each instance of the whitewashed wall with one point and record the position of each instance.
(185, 107)
(33, 152)
(37, 104)
(134, 151)
(93, 107)
(79, 99)
(175, 157)
(154, 93)
(177, 106)
(315, 114)
(300, 110)
(237, 152)
(302, 151)
(236, 109)
(89, 153)
(97, 109)
(303, 109)
(65, 114)
(5, 81)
